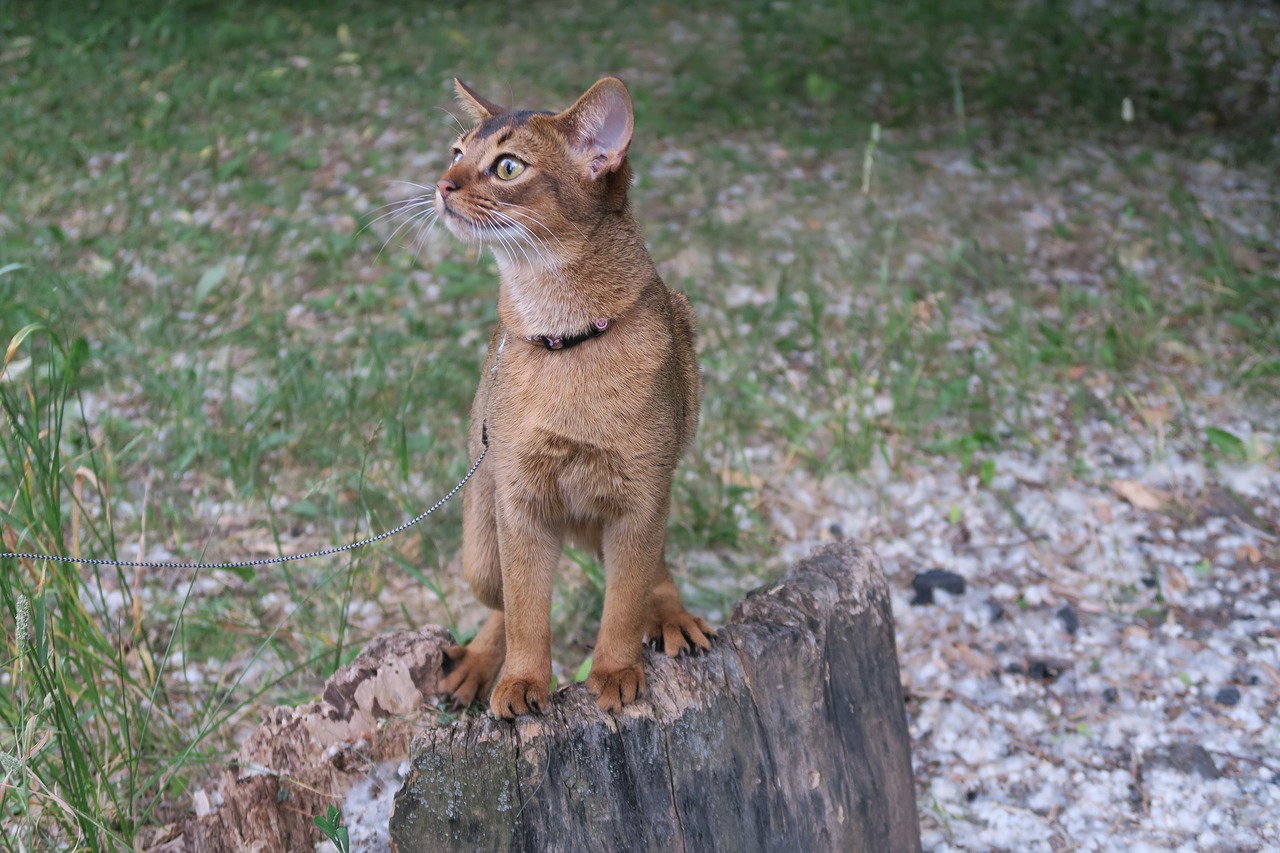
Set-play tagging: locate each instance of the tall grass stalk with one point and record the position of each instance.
(83, 758)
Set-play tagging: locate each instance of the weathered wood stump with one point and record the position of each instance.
(789, 735)
(301, 760)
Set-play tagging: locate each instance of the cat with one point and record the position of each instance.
(587, 399)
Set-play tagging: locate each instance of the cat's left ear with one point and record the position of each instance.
(600, 124)
(475, 106)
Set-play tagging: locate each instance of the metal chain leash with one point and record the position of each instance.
(484, 439)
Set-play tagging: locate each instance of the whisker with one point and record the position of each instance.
(528, 214)
(460, 125)
(412, 184)
(409, 221)
(402, 207)
(521, 230)
(423, 233)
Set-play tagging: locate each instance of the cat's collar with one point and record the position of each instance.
(598, 328)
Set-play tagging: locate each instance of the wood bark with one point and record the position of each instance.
(789, 735)
(301, 760)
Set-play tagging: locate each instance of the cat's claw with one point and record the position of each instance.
(680, 633)
(616, 688)
(468, 674)
(514, 697)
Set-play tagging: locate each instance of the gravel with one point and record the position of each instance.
(1109, 678)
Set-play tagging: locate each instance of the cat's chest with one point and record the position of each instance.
(604, 394)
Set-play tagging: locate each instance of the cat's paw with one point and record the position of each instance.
(515, 696)
(676, 631)
(617, 687)
(469, 673)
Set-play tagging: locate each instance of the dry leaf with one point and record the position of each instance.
(1141, 496)
(1250, 553)
(200, 801)
(1173, 584)
(734, 477)
(1156, 416)
(977, 662)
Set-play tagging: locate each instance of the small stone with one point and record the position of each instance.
(1186, 758)
(1227, 696)
(995, 610)
(1111, 695)
(836, 531)
(1070, 622)
(1046, 670)
(925, 583)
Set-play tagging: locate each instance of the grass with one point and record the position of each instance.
(227, 354)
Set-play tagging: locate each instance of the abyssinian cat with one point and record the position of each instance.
(588, 397)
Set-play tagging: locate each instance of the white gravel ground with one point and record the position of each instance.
(1153, 726)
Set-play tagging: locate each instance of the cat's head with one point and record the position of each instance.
(527, 182)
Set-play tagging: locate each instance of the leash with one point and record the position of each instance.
(484, 439)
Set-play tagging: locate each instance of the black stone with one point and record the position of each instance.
(1111, 695)
(1045, 670)
(995, 610)
(1186, 758)
(1070, 622)
(1228, 696)
(925, 583)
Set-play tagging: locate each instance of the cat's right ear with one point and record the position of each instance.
(475, 106)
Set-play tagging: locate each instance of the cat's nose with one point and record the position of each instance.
(445, 186)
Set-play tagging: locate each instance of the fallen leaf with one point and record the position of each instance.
(1141, 496)
(978, 663)
(1173, 584)
(734, 477)
(1250, 553)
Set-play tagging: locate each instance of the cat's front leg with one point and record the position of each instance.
(529, 549)
(632, 557)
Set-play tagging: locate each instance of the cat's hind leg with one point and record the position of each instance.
(471, 670)
(672, 628)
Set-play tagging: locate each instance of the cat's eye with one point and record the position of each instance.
(456, 153)
(508, 167)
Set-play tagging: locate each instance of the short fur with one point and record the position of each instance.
(583, 442)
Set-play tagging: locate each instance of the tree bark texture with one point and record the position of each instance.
(301, 760)
(789, 735)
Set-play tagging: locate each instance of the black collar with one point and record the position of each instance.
(598, 328)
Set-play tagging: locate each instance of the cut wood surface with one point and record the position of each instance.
(789, 735)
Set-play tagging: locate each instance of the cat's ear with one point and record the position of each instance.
(600, 124)
(475, 106)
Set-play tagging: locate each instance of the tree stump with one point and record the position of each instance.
(789, 735)
(301, 760)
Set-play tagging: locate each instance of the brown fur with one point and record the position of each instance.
(582, 441)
